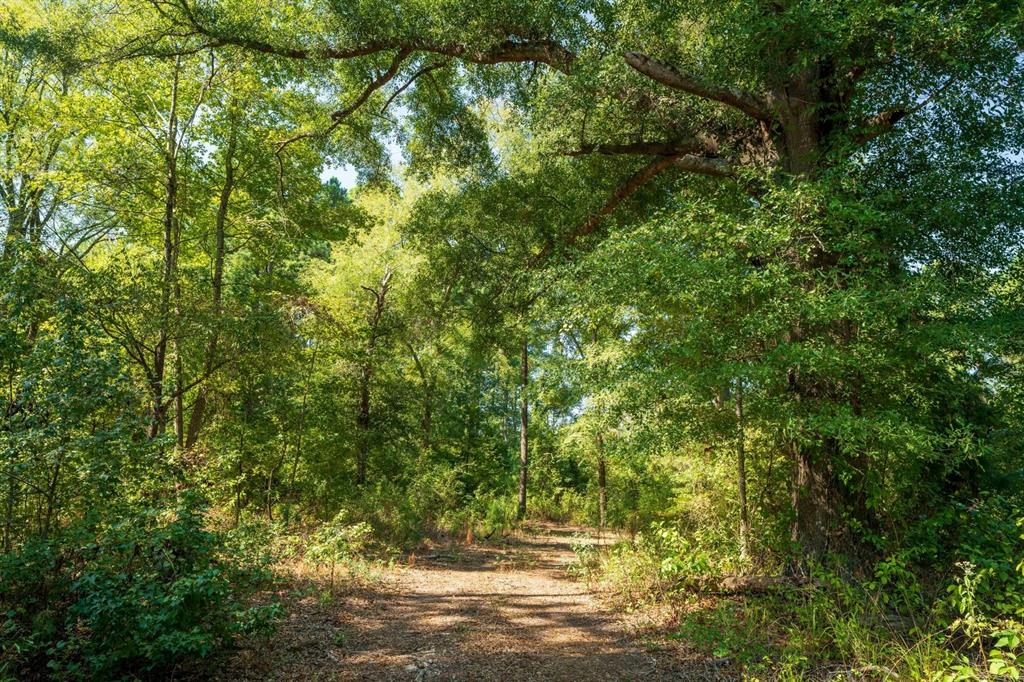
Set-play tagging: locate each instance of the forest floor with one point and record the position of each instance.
(504, 610)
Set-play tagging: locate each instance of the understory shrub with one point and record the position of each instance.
(339, 541)
(145, 592)
(563, 505)
(659, 561)
(949, 609)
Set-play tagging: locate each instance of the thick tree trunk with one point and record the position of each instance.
(801, 108)
(524, 423)
(812, 503)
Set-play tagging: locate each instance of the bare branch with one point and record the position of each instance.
(749, 103)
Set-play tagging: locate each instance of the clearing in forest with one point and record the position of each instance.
(491, 611)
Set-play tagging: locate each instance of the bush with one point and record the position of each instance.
(145, 593)
(658, 562)
(994, 545)
(563, 505)
(586, 558)
(338, 541)
(891, 620)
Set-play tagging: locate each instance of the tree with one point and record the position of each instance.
(524, 426)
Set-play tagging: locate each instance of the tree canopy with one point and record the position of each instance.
(752, 271)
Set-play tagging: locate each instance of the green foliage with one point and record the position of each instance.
(992, 548)
(729, 630)
(586, 558)
(337, 542)
(770, 270)
(148, 589)
(658, 563)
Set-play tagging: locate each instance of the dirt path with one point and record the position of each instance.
(493, 611)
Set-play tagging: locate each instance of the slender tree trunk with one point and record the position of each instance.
(366, 375)
(524, 424)
(238, 486)
(216, 289)
(507, 405)
(270, 486)
(159, 410)
(427, 382)
(427, 423)
(179, 398)
(179, 369)
(302, 427)
(741, 465)
(363, 422)
(12, 496)
(51, 497)
(602, 498)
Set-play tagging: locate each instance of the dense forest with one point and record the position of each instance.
(737, 284)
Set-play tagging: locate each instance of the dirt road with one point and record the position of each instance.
(492, 611)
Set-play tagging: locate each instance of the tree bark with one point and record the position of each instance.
(741, 465)
(801, 108)
(302, 423)
(427, 382)
(602, 499)
(159, 410)
(363, 423)
(363, 415)
(524, 423)
(216, 289)
(811, 501)
(179, 369)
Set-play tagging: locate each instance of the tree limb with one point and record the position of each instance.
(412, 79)
(509, 51)
(749, 103)
(702, 165)
(884, 121)
(339, 116)
(691, 146)
(621, 193)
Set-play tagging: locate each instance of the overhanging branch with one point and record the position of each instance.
(738, 98)
(508, 51)
(679, 148)
(621, 193)
(338, 117)
(702, 165)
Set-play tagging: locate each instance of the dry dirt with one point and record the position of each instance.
(491, 611)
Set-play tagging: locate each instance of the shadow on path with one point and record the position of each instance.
(495, 611)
